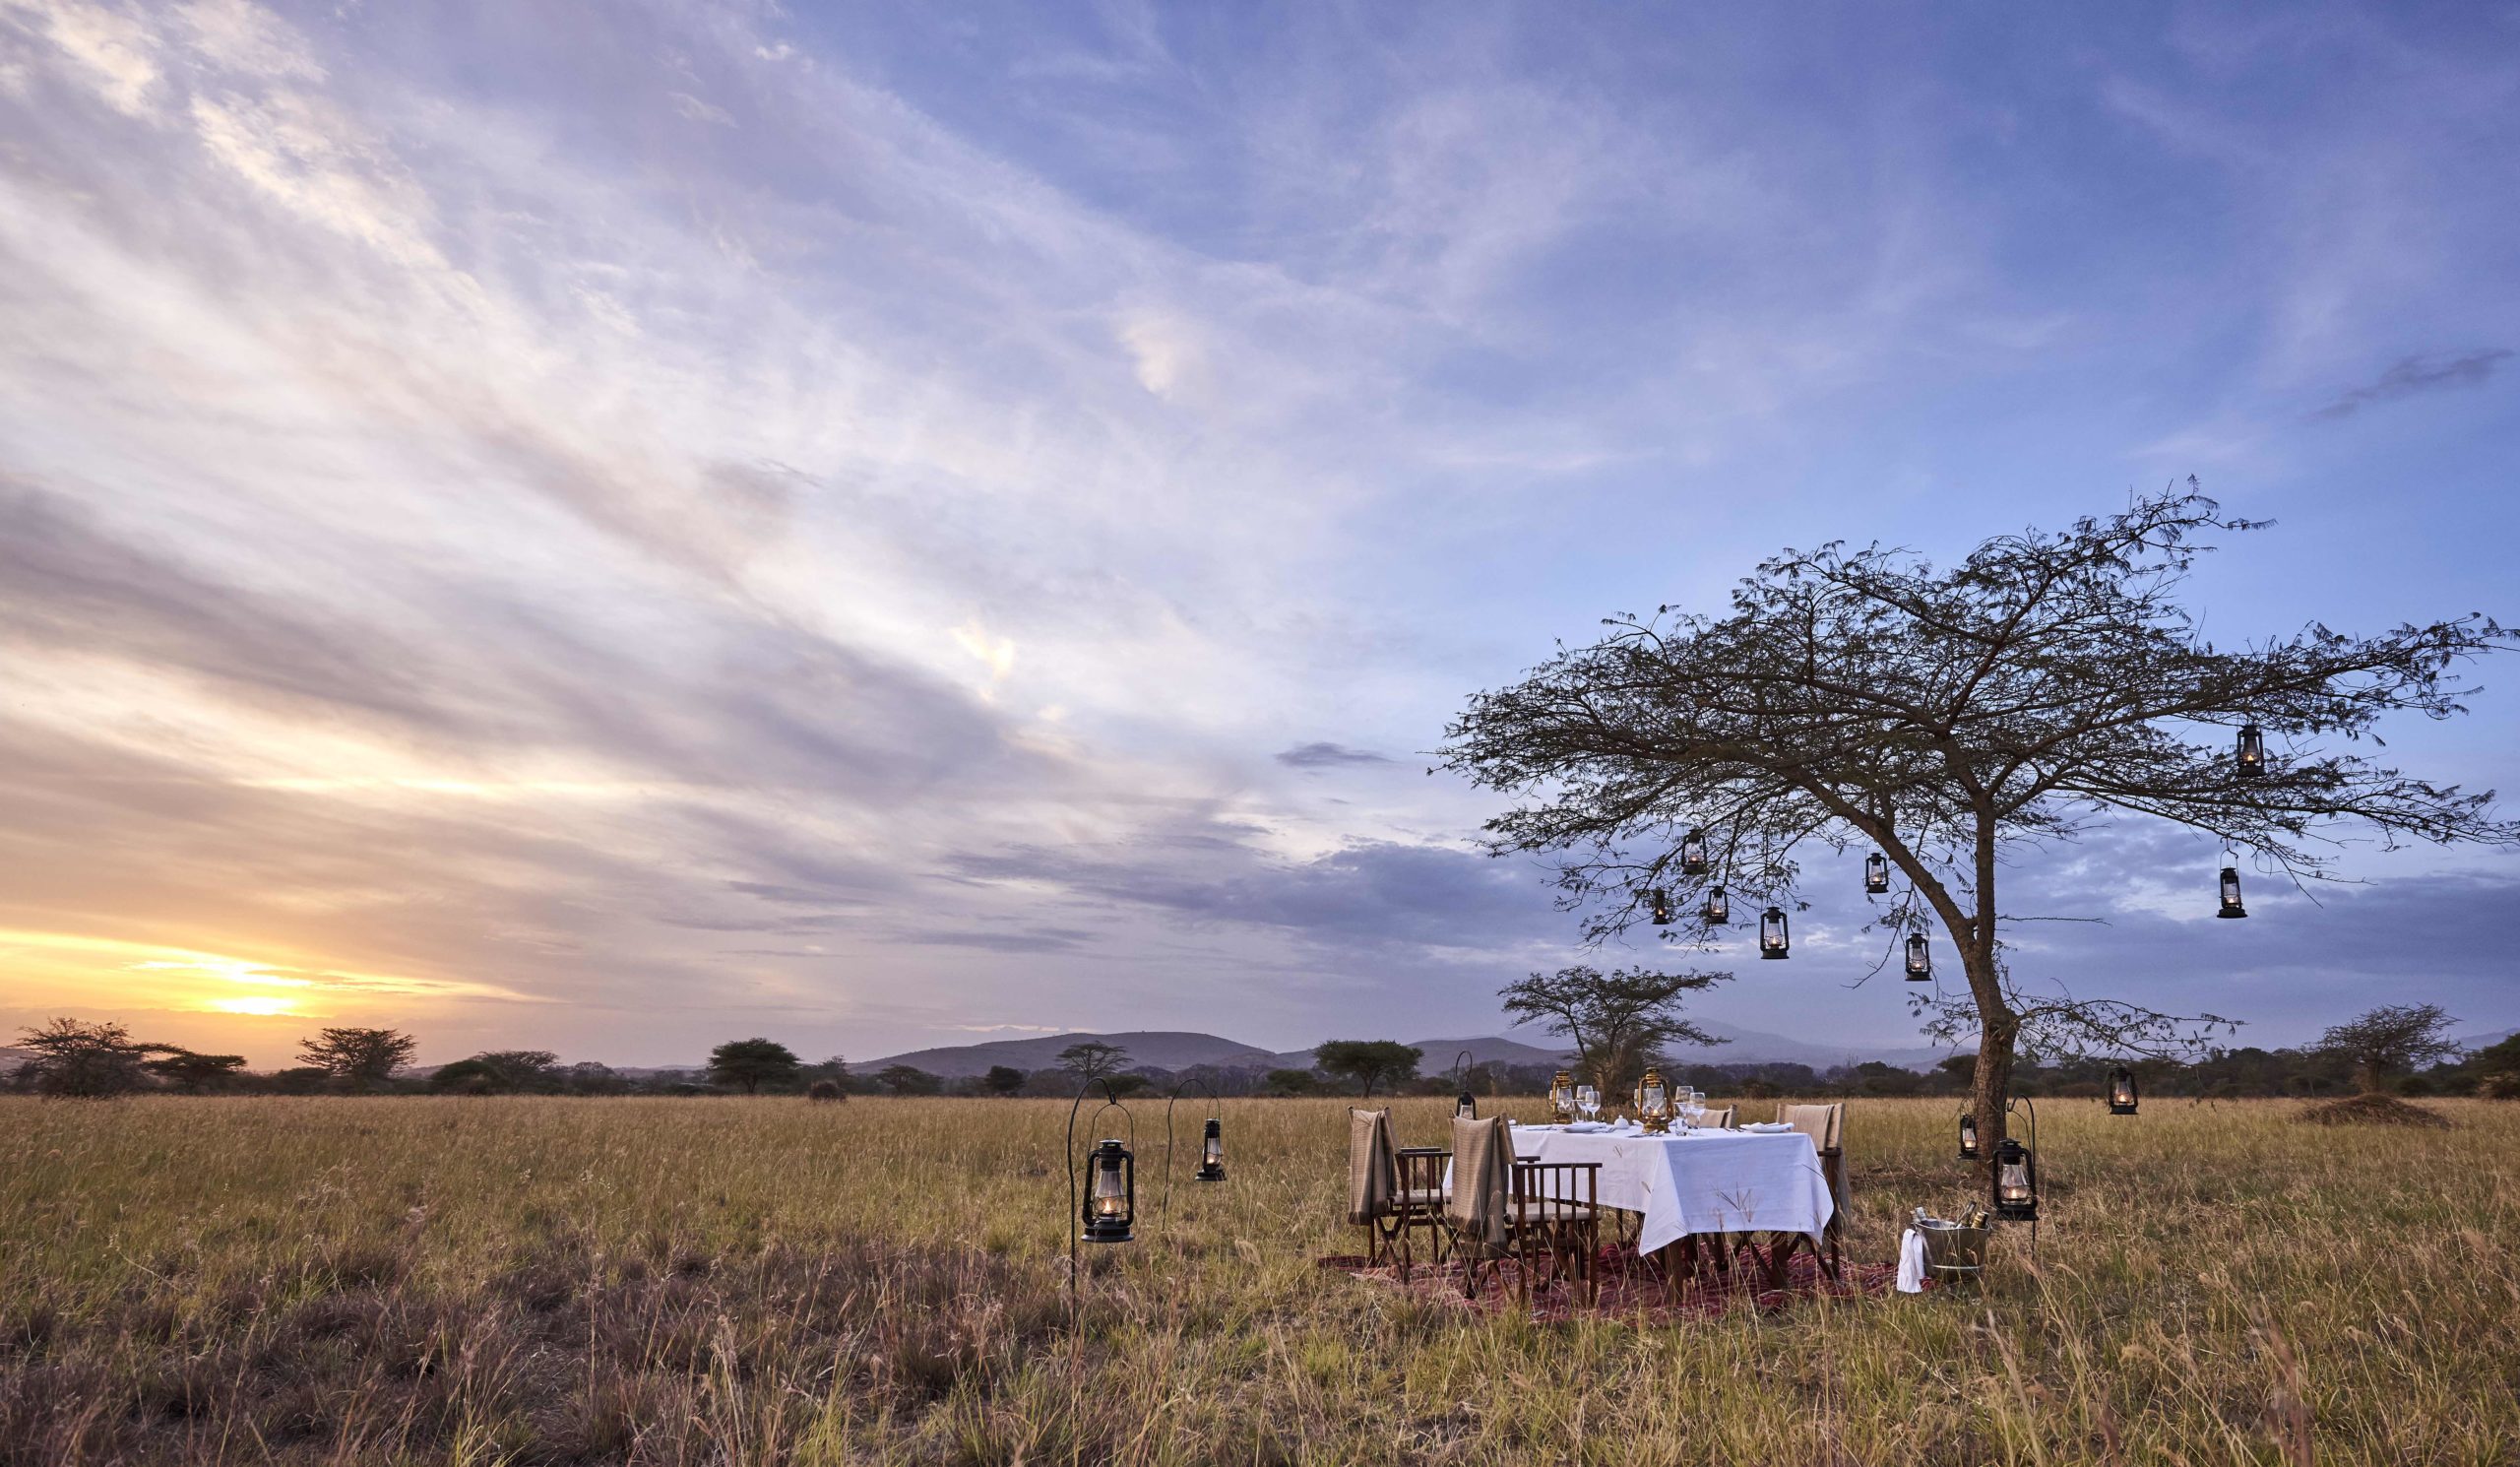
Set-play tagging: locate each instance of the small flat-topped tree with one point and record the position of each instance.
(1942, 716)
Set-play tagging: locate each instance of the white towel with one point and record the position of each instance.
(1912, 1262)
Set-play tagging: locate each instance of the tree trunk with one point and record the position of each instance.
(1990, 1084)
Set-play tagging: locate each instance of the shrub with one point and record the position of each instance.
(825, 1090)
(2502, 1085)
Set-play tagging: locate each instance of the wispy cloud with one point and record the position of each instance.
(2418, 374)
(1326, 755)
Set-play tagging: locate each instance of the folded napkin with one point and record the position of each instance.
(1589, 1126)
(1912, 1262)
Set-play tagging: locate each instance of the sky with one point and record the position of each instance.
(613, 527)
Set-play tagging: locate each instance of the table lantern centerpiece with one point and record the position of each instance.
(1654, 1103)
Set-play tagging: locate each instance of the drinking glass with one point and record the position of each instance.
(1588, 1099)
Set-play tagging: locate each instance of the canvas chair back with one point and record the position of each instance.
(1373, 1175)
(1824, 1124)
(1726, 1120)
(1482, 1177)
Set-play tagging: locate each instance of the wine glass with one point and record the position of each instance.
(1588, 1099)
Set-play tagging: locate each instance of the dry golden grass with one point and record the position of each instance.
(483, 1281)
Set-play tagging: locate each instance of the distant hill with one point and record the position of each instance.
(1160, 1048)
(11, 1058)
(2474, 1042)
(1167, 1050)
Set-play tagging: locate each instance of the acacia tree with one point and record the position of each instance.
(1617, 1021)
(2390, 1038)
(1089, 1060)
(1367, 1061)
(360, 1058)
(1947, 718)
(88, 1060)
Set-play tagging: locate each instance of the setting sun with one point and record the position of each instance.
(260, 1005)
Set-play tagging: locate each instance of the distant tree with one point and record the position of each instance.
(1874, 1077)
(87, 1060)
(2496, 1067)
(903, 1079)
(826, 1090)
(1293, 1082)
(2390, 1040)
(1949, 717)
(1128, 1084)
(358, 1058)
(1367, 1061)
(1092, 1059)
(1615, 1020)
(589, 1077)
(188, 1072)
(750, 1064)
(304, 1079)
(523, 1071)
(1003, 1079)
(464, 1077)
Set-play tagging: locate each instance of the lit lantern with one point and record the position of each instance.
(1465, 1105)
(1212, 1153)
(2016, 1182)
(1967, 1135)
(2121, 1091)
(1693, 852)
(1112, 1201)
(1876, 873)
(1654, 1103)
(1920, 959)
(2232, 893)
(1773, 939)
(2250, 757)
(1660, 901)
(1561, 1096)
(1718, 910)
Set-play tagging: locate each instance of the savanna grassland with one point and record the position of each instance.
(758, 1281)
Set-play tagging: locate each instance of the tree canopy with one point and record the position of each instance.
(1949, 718)
(1093, 1058)
(358, 1058)
(2390, 1040)
(750, 1064)
(1618, 1021)
(73, 1057)
(1367, 1061)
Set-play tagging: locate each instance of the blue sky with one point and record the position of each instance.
(615, 526)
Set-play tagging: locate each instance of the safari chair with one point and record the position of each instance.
(1726, 1120)
(1539, 1214)
(1390, 1196)
(1826, 1127)
(1557, 1213)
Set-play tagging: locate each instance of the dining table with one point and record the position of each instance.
(1683, 1183)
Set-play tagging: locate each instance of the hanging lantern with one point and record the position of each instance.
(1111, 1201)
(1773, 941)
(1561, 1096)
(1653, 1100)
(2016, 1182)
(1876, 873)
(1718, 910)
(1212, 1152)
(1967, 1135)
(1920, 959)
(1660, 901)
(1465, 1105)
(2232, 893)
(2121, 1091)
(2250, 757)
(1693, 852)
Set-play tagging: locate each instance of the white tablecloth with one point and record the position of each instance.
(1697, 1182)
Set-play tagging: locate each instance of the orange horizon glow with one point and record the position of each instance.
(198, 990)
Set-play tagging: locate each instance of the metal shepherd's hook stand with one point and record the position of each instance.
(1216, 1103)
(1075, 1212)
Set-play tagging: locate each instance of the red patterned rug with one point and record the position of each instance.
(1633, 1286)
